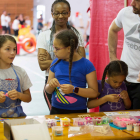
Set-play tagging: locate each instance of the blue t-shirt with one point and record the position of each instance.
(79, 71)
(111, 106)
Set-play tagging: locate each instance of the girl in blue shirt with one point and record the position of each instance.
(68, 76)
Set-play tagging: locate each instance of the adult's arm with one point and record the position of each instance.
(81, 49)
(113, 40)
(86, 28)
(44, 59)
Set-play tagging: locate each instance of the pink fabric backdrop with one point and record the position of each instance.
(103, 12)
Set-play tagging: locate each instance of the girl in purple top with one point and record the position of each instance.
(113, 93)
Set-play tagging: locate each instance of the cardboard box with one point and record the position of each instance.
(25, 129)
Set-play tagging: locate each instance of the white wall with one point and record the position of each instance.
(76, 6)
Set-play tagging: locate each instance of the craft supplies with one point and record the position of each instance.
(57, 130)
(104, 129)
(79, 121)
(2, 120)
(136, 127)
(129, 126)
(51, 122)
(89, 120)
(64, 122)
(56, 117)
(79, 130)
(97, 121)
(117, 127)
(106, 120)
(121, 120)
(84, 115)
(6, 94)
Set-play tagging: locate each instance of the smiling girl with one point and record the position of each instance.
(14, 81)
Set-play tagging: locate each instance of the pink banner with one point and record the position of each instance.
(103, 12)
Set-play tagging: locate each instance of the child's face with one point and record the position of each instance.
(7, 52)
(60, 51)
(115, 81)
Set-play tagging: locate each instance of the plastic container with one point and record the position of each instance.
(97, 121)
(129, 126)
(57, 130)
(64, 122)
(75, 121)
(89, 120)
(136, 127)
(94, 120)
(106, 119)
(79, 121)
(122, 120)
(51, 122)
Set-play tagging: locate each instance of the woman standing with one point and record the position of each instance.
(21, 21)
(15, 26)
(60, 11)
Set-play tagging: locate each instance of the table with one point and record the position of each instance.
(118, 134)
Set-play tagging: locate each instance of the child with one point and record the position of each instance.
(14, 82)
(60, 11)
(68, 75)
(113, 93)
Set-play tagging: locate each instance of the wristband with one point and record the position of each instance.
(75, 90)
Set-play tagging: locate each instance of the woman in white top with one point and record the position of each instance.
(15, 26)
(60, 11)
(27, 21)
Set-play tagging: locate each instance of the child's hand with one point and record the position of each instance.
(124, 94)
(54, 83)
(13, 94)
(138, 77)
(66, 88)
(112, 97)
(2, 97)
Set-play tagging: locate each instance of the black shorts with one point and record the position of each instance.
(133, 90)
(4, 28)
(55, 110)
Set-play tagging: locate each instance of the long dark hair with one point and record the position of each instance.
(5, 38)
(68, 38)
(115, 68)
(68, 26)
